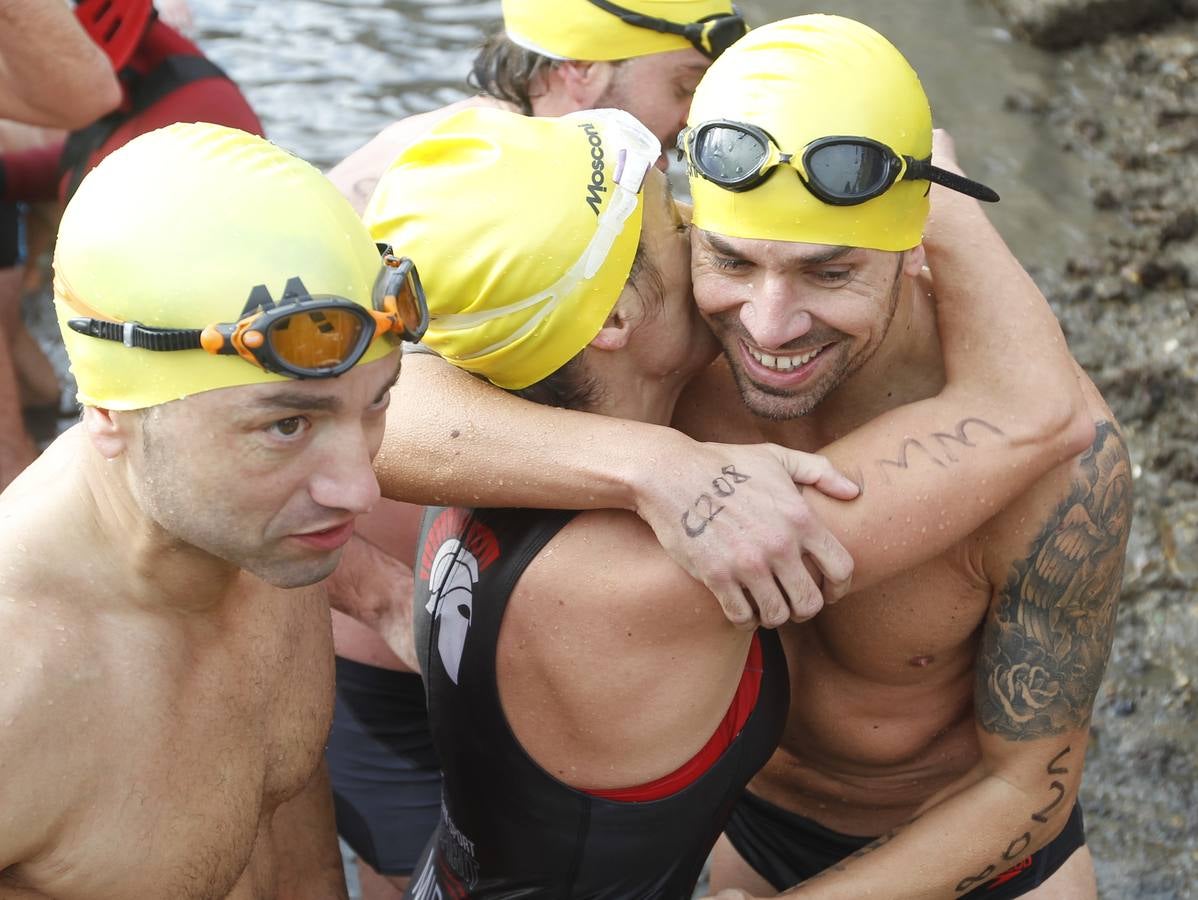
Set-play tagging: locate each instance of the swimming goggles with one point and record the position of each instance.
(302, 335)
(840, 171)
(711, 35)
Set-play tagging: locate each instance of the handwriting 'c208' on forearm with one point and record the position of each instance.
(705, 508)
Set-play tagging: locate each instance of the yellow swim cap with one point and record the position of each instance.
(799, 80)
(174, 230)
(525, 230)
(578, 29)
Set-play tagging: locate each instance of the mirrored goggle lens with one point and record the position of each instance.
(398, 289)
(320, 339)
(849, 171)
(728, 155)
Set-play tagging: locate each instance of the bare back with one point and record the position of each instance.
(145, 750)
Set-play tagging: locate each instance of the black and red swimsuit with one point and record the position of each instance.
(508, 829)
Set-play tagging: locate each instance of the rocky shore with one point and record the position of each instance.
(1126, 99)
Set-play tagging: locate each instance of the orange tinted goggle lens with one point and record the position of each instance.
(407, 306)
(319, 339)
(398, 291)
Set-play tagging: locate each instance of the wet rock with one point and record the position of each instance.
(1065, 23)
(1125, 707)
(1105, 198)
(1183, 227)
(1025, 101)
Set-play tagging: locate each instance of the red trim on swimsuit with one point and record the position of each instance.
(734, 720)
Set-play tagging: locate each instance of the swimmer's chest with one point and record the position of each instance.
(878, 679)
(901, 631)
(202, 741)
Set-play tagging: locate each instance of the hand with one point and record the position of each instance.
(732, 517)
(730, 894)
(376, 589)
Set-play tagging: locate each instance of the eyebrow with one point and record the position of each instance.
(291, 400)
(830, 254)
(296, 401)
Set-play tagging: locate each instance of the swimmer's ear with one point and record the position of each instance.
(584, 82)
(616, 330)
(108, 431)
(914, 260)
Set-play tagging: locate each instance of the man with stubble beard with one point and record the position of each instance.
(167, 676)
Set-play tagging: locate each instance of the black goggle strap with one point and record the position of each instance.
(923, 170)
(698, 33)
(131, 334)
(143, 337)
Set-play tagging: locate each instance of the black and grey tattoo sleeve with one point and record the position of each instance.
(1046, 645)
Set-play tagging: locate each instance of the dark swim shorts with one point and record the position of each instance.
(786, 849)
(12, 242)
(385, 777)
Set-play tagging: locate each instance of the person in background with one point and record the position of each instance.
(163, 78)
(53, 76)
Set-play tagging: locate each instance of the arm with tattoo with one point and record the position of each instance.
(1044, 647)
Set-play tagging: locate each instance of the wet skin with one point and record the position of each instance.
(164, 696)
(904, 695)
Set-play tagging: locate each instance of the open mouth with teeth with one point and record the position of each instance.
(783, 363)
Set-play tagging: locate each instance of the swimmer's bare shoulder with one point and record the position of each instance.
(46, 712)
(53, 684)
(356, 175)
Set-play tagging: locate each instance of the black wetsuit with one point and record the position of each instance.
(508, 829)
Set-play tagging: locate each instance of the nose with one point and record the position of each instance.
(773, 316)
(346, 480)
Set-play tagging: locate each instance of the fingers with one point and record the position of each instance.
(772, 608)
(834, 563)
(803, 592)
(736, 606)
(817, 471)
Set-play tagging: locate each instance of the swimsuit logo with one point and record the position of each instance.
(596, 187)
(457, 550)
(452, 865)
